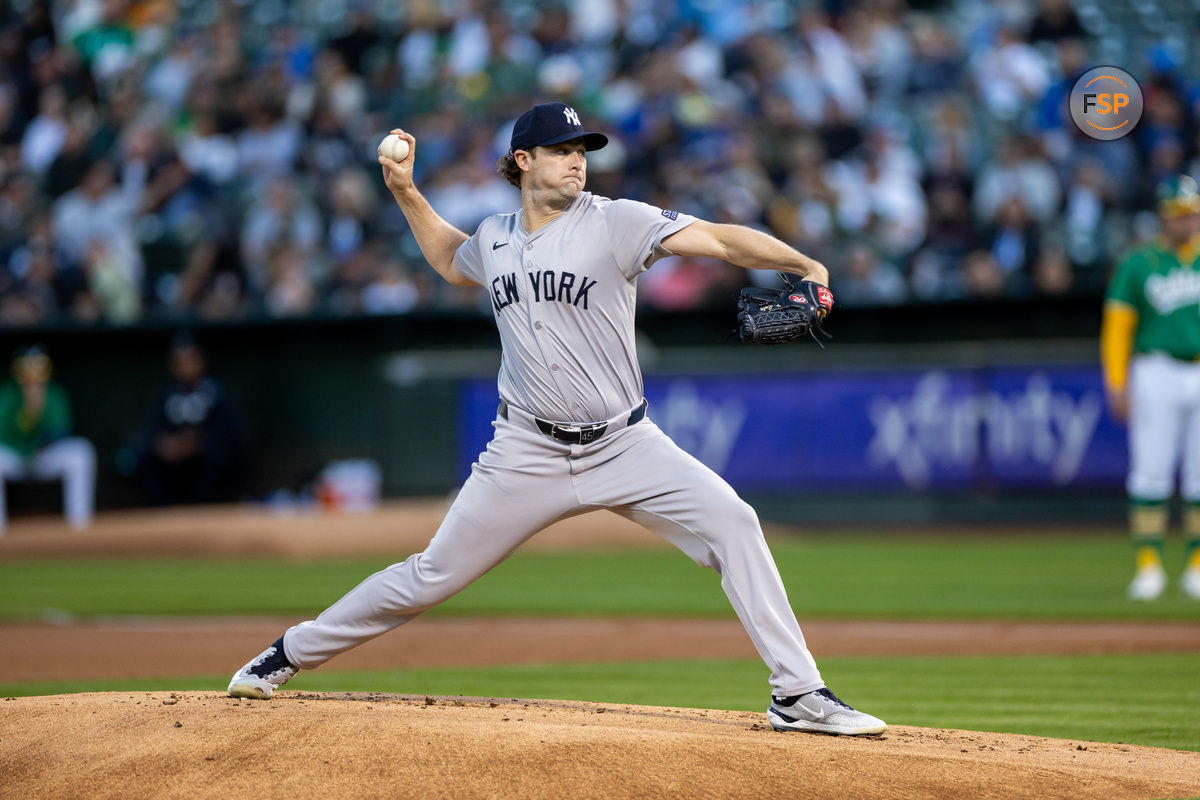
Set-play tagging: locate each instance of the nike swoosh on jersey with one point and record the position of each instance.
(498, 245)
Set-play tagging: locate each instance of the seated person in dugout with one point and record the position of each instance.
(192, 453)
(35, 437)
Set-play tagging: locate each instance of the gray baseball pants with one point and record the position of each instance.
(525, 481)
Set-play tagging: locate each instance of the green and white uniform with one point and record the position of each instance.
(39, 447)
(1162, 287)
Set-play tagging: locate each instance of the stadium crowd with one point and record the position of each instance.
(216, 160)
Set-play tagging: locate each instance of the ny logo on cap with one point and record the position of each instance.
(572, 117)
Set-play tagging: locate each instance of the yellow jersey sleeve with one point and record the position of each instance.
(1116, 342)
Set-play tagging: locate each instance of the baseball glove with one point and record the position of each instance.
(778, 316)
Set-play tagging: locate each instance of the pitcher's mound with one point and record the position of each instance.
(326, 746)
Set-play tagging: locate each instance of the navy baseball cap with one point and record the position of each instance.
(552, 123)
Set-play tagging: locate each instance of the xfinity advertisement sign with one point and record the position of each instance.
(983, 428)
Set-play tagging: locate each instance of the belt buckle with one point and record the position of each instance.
(573, 430)
(583, 434)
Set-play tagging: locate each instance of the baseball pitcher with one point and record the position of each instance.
(572, 432)
(1152, 311)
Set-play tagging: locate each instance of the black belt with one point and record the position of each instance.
(578, 434)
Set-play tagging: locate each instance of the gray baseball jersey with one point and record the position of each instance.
(564, 300)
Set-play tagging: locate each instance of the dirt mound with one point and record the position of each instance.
(198, 745)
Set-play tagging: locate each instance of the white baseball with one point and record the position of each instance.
(393, 147)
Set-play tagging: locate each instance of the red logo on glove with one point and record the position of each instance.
(798, 298)
(824, 297)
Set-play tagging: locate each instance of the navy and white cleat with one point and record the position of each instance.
(821, 712)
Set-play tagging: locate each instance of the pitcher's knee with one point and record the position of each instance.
(415, 585)
(734, 529)
(739, 519)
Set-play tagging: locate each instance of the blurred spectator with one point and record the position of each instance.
(169, 80)
(269, 146)
(210, 154)
(12, 118)
(1055, 20)
(1010, 74)
(982, 276)
(1052, 273)
(1090, 198)
(47, 132)
(390, 291)
(1014, 241)
(882, 201)
(676, 284)
(330, 148)
(948, 145)
(350, 215)
(343, 90)
(469, 192)
(881, 48)
(36, 441)
(938, 63)
(212, 284)
(949, 236)
(290, 290)
(112, 293)
(1164, 122)
(102, 211)
(105, 42)
(868, 281)
(193, 452)
(832, 63)
(1019, 170)
(358, 40)
(342, 293)
(284, 218)
(36, 282)
(1053, 114)
(19, 203)
(745, 190)
(1162, 136)
(76, 153)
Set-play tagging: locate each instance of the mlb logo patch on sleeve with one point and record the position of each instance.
(670, 214)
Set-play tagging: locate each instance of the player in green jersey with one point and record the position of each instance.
(1150, 349)
(35, 437)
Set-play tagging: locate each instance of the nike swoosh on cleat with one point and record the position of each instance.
(498, 245)
(814, 714)
(817, 714)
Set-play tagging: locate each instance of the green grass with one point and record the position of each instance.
(834, 576)
(1138, 699)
